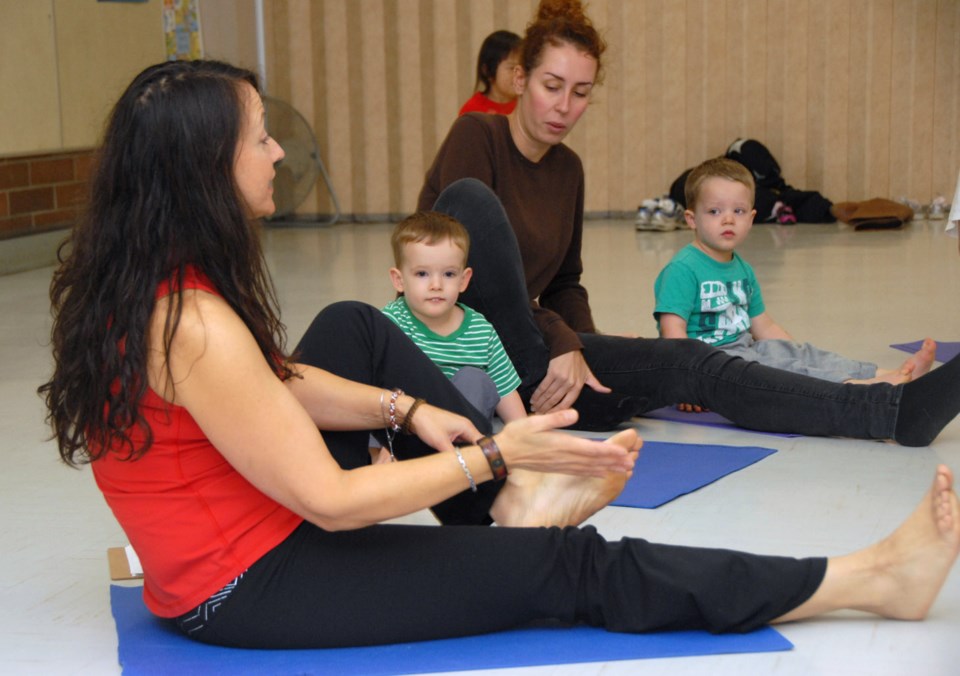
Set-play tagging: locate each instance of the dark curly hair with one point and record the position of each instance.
(558, 22)
(162, 199)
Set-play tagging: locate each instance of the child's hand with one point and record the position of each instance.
(692, 408)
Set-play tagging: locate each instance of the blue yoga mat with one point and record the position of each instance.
(945, 350)
(152, 646)
(666, 471)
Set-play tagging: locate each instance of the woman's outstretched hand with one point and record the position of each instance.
(439, 428)
(566, 376)
(534, 443)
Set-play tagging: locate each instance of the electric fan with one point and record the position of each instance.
(298, 171)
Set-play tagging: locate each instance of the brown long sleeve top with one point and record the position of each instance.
(544, 202)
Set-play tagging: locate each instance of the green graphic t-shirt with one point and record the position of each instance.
(716, 299)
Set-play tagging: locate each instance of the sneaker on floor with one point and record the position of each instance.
(937, 211)
(645, 215)
(667, 215)
(785, 216)
(918, 209)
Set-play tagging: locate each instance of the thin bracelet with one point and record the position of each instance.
(466, 470)
(494, 458)
(407, 426)
(383, 411)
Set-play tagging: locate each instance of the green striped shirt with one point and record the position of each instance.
(475, 343)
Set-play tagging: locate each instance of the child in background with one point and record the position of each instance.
(495, 64)
(710, 293)
(430, 253)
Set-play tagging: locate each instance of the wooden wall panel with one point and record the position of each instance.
(229, 31)
(30, 123)
(920, 93)
(856, 146)
(641, 79)
(318, 102)
(816, 71)
(856, 98)
(755, 93)
(100, 48)
(339, 72)
(835, 95)
(879, 82)
(667, 102)
(902, 69)
(409, 100)
(945, 145)
(63, 65)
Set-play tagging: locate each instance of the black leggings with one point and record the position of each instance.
(390, 583)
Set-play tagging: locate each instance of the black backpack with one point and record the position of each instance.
(809, 206)
(759, 160)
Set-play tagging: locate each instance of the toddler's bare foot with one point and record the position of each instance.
(914, 367)
(923, 360)
(531, 499)
(904, 375)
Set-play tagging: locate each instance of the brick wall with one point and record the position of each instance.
(42, 192)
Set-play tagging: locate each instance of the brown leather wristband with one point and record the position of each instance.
(407, 426)
(492, 453)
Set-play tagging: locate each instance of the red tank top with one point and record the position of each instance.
(195, 523)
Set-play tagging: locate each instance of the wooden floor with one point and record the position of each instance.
(855, 293)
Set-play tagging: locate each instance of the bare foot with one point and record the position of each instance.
(914, 367)
(918, 556)
(531, 499)
(923, 360)
(900, 576)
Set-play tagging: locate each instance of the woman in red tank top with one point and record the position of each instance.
(243, 479)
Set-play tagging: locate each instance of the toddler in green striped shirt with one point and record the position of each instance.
(430, 255)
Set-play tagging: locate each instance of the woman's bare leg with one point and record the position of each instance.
(532, 499)
(900, 576)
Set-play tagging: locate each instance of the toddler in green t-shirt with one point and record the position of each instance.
(708, 292)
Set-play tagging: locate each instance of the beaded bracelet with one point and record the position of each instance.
(390, 420)
(392, 409)
(466, 470)
(407, 426)
(492, 453)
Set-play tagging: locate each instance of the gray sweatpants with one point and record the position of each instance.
(802, 358)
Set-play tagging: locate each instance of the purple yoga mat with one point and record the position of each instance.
(707, 419)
